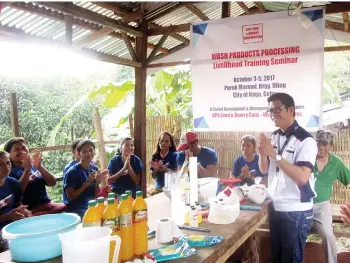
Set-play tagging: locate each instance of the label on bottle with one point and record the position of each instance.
(139, 216)
(91, 224)
(126, 220)
(112, 223)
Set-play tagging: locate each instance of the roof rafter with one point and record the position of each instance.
(244, 7)
(260, 6)
(346, 21)
(166, 9)
(195, 10)
(86, 40)
(337, 7)
(159, 45)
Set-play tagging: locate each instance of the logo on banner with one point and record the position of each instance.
(253, 33)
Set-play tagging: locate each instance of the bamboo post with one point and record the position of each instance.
(131, 125)
(100, 141)
(14, 115)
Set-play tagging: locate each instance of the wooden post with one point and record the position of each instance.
(100, 141)
(131, 126)
(226, 9)
(14, 115)
(140, 102)
(69, 29)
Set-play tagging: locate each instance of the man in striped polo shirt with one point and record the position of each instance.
(288, 158)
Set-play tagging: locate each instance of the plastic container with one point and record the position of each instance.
(126, 231)
(193, 217)
(130, 199)
(257, 194)
(112, 195)
(140, 229)
(92, 217)
(111, 219)
(199, 211)
(36, 238)
(89, 245)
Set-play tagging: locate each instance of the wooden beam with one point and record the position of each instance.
(99, 135)
(53, 14)
(260, 6)
(132, 16)
(90, 38)
(159, 45)
(171, 51)
(131, 126)
(195, 10)
(14, 115)
(346, 21)
(334, 25)
(168, 64)
(244, 7)
(225, 9)
(162, 30)
(337, 48)
(129, 46)
(140, 102)
(80, 12)
(20, 35)
(180, 38)
(68, 39)
(110, 6)
(158, 14)
(337, 7)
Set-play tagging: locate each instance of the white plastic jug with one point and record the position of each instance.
(257, 194)
(88, 245)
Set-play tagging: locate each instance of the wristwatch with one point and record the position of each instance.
(278, 157)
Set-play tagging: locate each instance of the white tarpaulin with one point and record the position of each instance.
(237, 63)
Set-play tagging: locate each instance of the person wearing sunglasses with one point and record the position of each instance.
(327, 170)
(288, 157)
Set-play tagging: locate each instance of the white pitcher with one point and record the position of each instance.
(88, 245)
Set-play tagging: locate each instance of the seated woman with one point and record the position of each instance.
(74, 156)
(125, 169)
(82, 180)
(163, 160)
(11, 208)
(246, 167)
(33, 178)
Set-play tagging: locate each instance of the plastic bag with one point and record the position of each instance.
(179, 250)
(203, 241)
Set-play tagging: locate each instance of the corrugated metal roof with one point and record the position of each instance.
(54, 28)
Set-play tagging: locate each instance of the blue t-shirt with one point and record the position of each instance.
(205, 157)
(35, 193)
(65, 170)
(240, 162)
(169, 159)
(75, 178)
(11, 188)
(125, 182)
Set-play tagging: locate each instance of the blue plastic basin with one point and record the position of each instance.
(35, 238)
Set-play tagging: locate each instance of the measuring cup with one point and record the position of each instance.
(88, 245)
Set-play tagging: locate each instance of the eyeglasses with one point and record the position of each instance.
(276, 110)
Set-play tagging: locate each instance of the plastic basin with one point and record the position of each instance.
(36, 238)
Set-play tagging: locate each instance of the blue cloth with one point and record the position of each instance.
(169, 159)
(10, 187)
(205, 157)
(240, 162)
(35, 193)
(65, 170)
(75, 178)
(125, 182)
(288, 233)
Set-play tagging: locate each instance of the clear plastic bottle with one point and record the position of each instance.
(199, 210)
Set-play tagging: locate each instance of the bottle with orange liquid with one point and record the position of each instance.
(100, 205)
(126, 232)
(130, 198)
(92, 217)
(111, 219)
(140, 229)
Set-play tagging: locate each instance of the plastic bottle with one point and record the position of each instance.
(199, 210)
(92, 217)
(111, 219)
(130, 198)
(112, 195)
(193, 217)
(126, 231)
(101, 205)
(140, 215)
(187, 214)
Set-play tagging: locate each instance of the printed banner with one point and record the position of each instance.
(237, 63)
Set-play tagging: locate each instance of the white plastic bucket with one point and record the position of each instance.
(88, 245)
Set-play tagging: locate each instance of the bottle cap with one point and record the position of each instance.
(193, 208)
(128, 193)
(139, 194)
(111, 195)
(124, 197)
(197, 203)
(110, 201)
(100, 200)
(92, 203)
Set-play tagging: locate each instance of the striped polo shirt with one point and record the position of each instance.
(298, 147)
